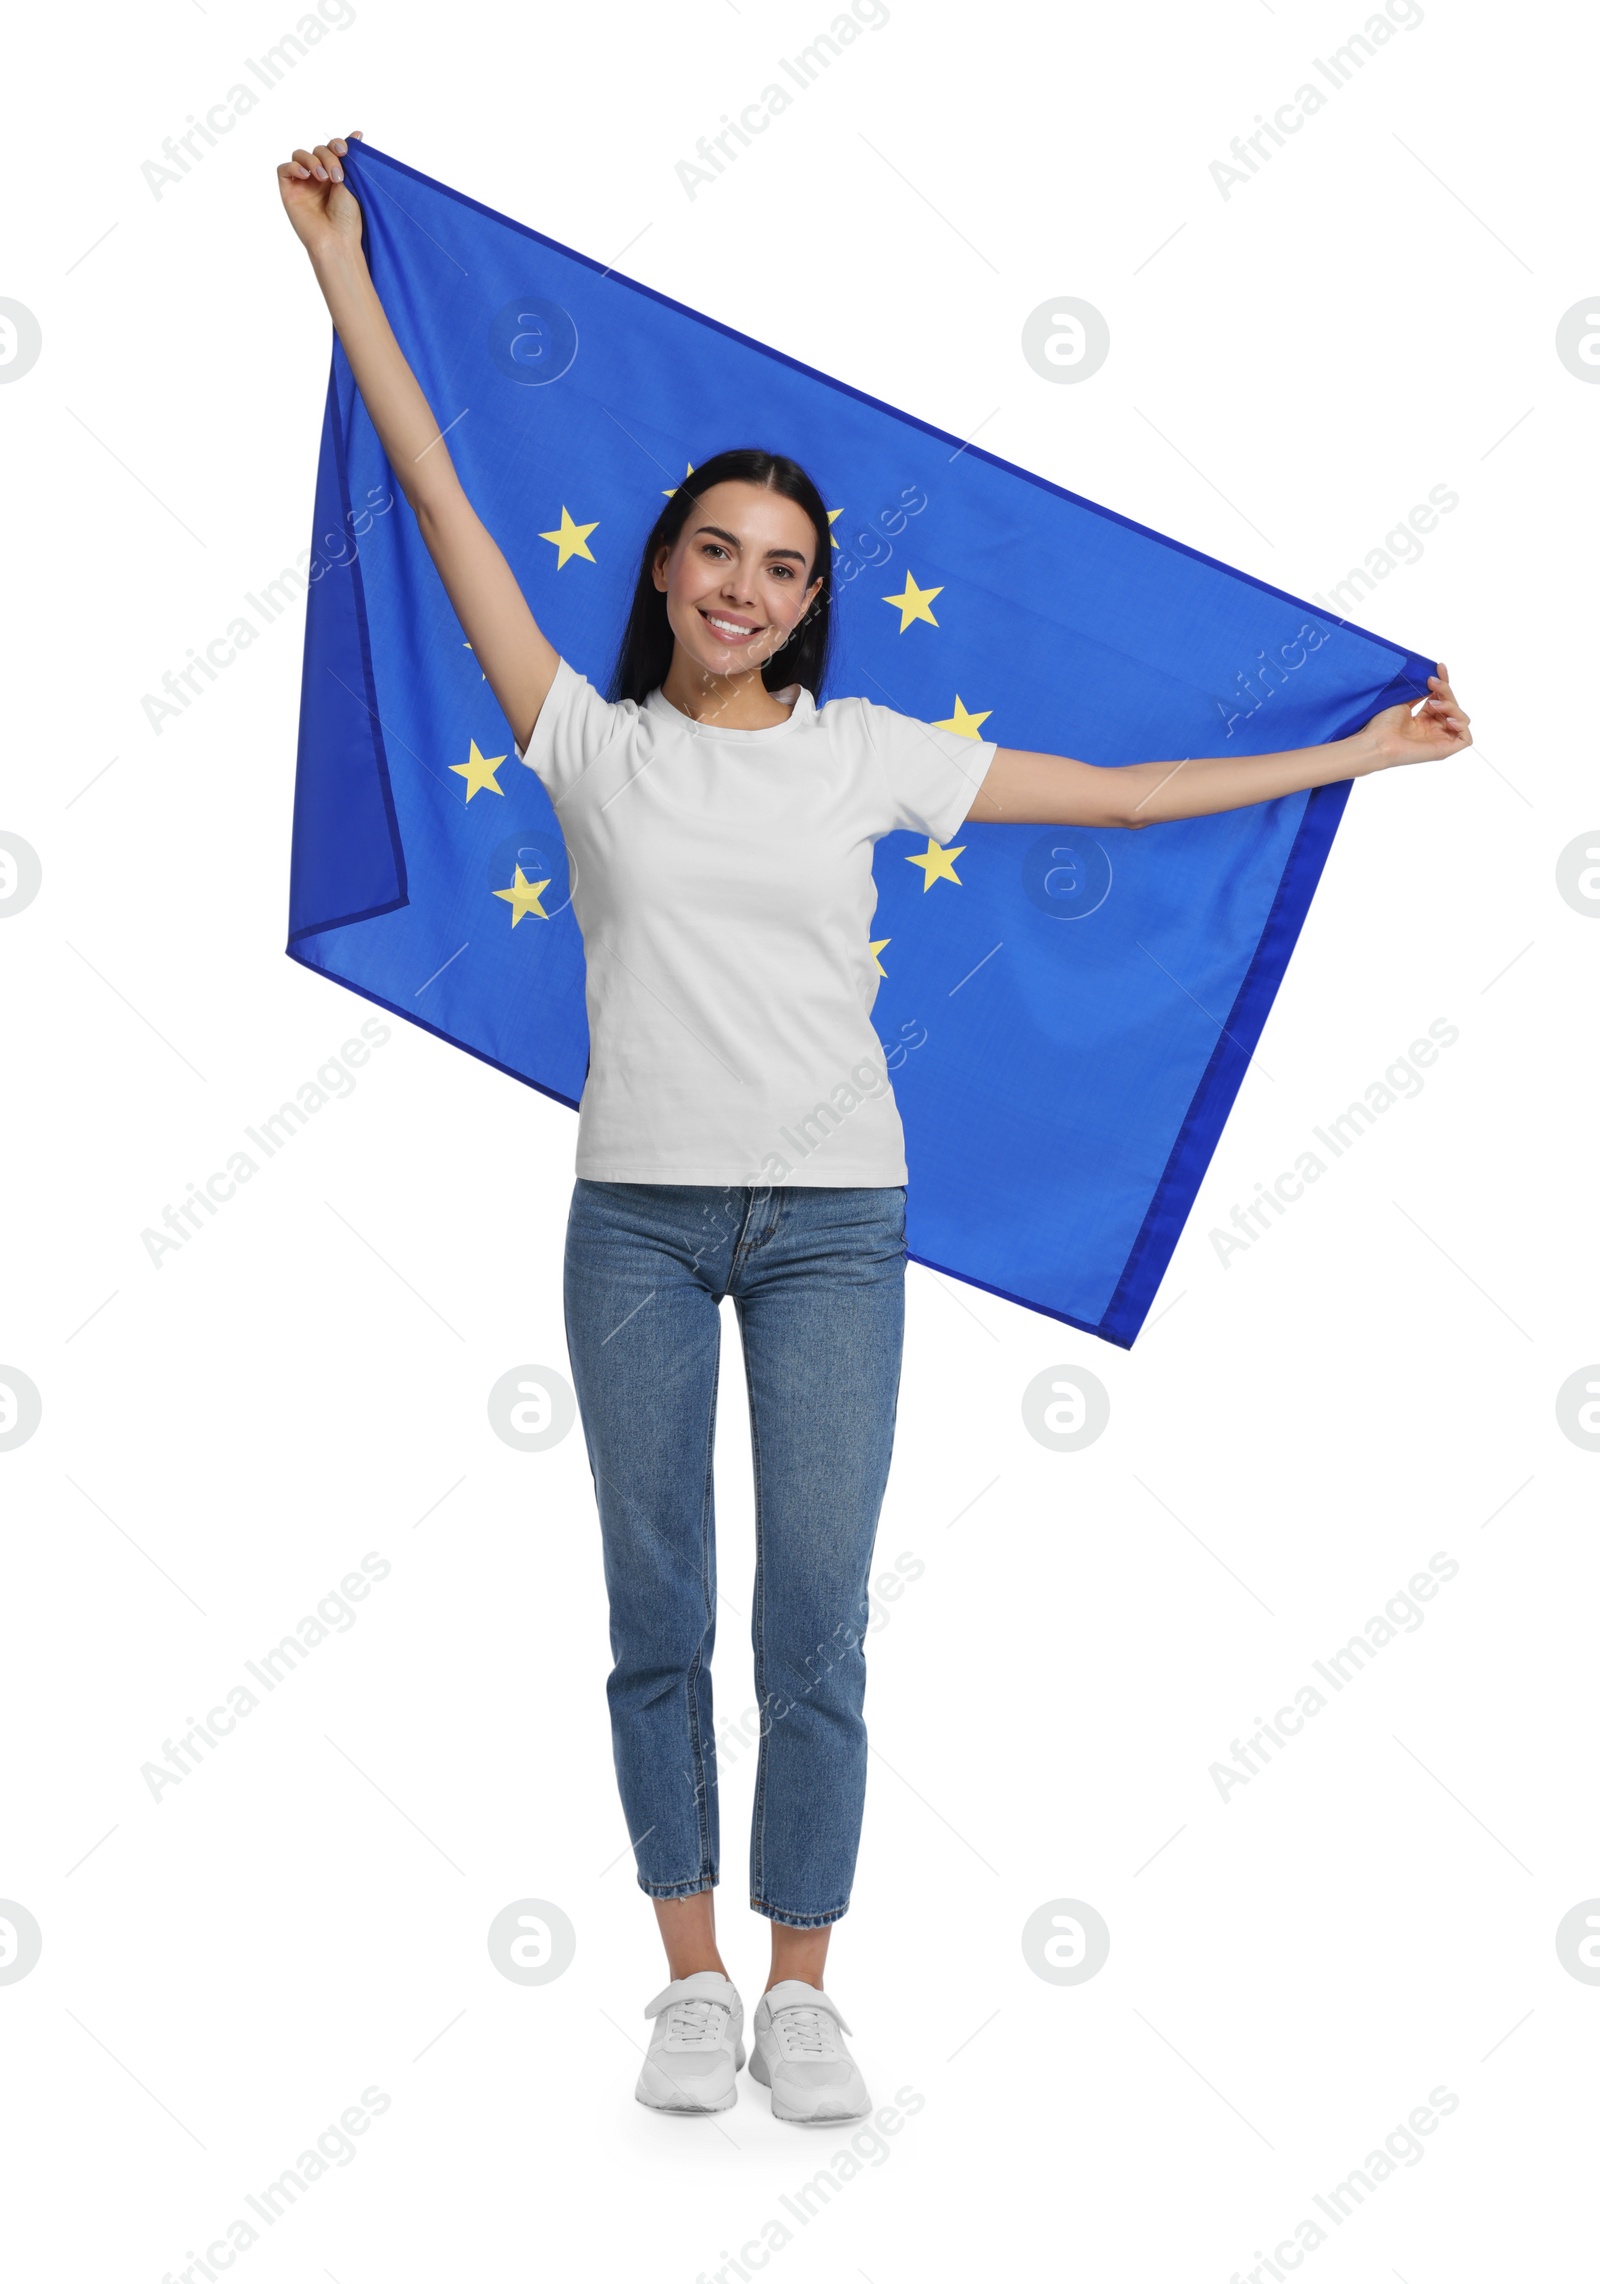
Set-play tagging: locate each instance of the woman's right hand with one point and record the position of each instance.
(324, 213)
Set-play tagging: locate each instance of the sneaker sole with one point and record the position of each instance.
(687, 2109)
(695, 2109)
(758, 2071)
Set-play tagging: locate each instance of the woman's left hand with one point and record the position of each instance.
(1440, 726)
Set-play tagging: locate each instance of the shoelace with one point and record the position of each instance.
(695, 2022)
(809, 2033)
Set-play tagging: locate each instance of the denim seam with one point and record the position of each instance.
(739, 1248)
(758, 1813)
(707, 1557)
(788, 1919)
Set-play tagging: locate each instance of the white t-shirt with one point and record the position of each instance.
(722, 881)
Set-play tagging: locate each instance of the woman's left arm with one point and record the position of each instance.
(1048, 789)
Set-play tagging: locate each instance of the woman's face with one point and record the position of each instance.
(737, 577)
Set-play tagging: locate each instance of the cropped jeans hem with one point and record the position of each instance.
(795, 1919)
(673, 1891)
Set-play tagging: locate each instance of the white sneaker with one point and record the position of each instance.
(697, 2046)
(801, 2056)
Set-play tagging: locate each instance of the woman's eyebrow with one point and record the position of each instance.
(717, 532)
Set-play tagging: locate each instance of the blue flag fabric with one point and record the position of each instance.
(1066, 1015)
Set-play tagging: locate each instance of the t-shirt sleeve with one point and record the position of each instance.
(932, 774)
(575, 725)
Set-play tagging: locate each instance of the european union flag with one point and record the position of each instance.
(1066, 1015)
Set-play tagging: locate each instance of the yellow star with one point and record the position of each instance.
(477, 770)
(913, 604)
(875, 949)
(833, 516)
(964, 724)
(523, 895)
(688, 471)
(571, 539)
(938, 864)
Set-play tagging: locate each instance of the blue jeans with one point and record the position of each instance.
(818, 1283)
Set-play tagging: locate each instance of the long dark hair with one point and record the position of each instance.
(646, 649)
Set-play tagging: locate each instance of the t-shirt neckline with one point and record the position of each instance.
(803, 709)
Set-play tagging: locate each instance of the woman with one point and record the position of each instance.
(738, 1137)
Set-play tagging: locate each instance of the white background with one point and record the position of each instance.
(1291, 1971)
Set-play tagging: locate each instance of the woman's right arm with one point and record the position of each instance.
(518, 660)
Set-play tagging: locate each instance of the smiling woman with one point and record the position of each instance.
(727, 606)
(721, 825)
(738, 1136)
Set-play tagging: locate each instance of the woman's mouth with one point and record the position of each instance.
(732, 632)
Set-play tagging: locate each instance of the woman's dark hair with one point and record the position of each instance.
(646, 650)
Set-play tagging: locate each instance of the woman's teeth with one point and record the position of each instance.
(729, 629)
